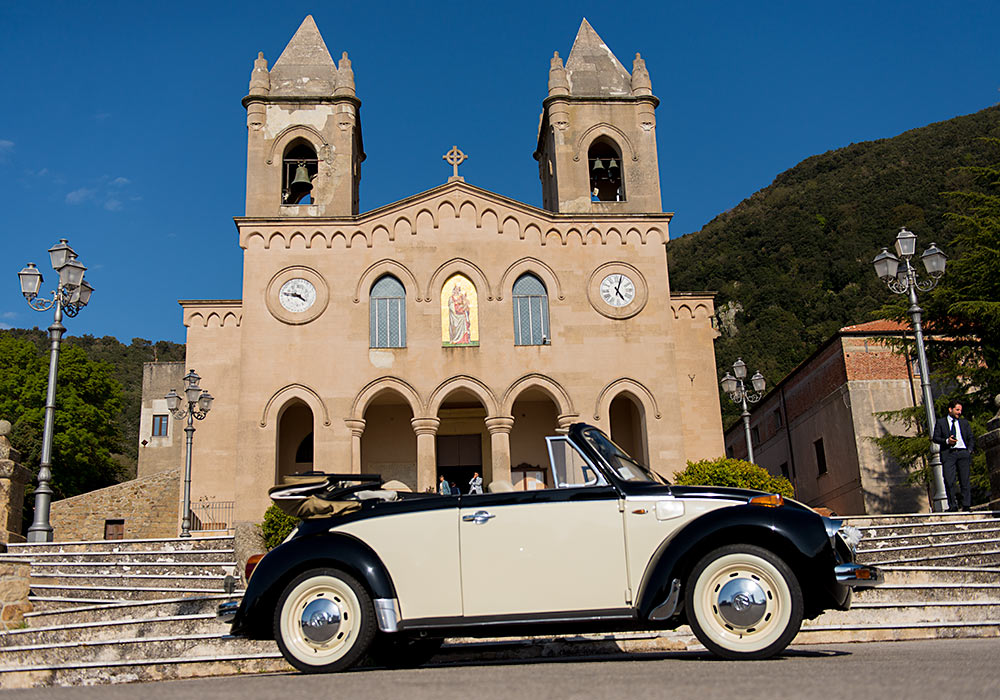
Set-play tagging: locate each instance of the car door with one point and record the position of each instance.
(558, 549)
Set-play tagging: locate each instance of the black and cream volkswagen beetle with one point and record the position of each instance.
(610, 546)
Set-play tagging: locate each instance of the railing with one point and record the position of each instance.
(212, 515)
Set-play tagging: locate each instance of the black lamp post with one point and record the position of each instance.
(734, 386)
(900, 276)
(71, 294)
(199, 403)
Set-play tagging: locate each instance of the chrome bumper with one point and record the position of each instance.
(859, 575)
(227, 611)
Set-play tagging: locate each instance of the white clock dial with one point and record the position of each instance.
(297, 295)
(617, 290)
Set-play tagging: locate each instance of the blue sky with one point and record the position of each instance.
(122, 128)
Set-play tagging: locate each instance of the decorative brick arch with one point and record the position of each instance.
(554, 390)
(534, 266)
(383, 385)
(386, 267)
(637, 389)
(471, 384)
(282, 396)
(463, 266)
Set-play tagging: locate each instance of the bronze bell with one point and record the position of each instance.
(301, 185)
(613, 168)
(597, 167)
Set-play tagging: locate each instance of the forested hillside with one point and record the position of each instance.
(792, 263)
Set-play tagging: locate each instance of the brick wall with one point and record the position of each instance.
(149, 507)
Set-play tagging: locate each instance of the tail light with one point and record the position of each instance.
(252, 564)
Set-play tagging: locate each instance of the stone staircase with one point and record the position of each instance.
(127, 610)
(122, 611)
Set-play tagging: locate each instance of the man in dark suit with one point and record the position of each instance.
(954, 434)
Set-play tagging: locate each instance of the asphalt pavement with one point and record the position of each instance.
(938, 669)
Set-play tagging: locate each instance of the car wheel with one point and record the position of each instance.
(401, 651)
(324, 621)
(743, 602)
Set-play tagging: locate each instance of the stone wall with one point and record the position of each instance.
(149, 507)
(13, 478)
(14, 585)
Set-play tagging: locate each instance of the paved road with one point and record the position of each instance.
(935, 669)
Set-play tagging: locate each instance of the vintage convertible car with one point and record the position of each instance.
(610, 547)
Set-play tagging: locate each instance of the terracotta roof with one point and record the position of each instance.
(882, 325)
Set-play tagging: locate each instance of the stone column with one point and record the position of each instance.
(13, 478)
(500, 427)
(426, 430)
(357, 427)
(990, 443)
(564, 420)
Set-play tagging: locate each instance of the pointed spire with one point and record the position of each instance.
(592, 67)
(260, 79)
(305, 66)
(558, 80)
(641, 84)
(345, 77)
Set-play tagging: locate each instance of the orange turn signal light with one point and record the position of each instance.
(252, 564)
(771, 500)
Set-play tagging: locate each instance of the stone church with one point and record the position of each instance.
(449, 332)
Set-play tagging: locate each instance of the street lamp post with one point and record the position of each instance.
(734, 386)
(900, 276)
(199, 403)
(71, 294)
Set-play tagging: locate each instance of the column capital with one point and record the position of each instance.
(356, 425)
(425, 426)
(499, 424)
(564, 420)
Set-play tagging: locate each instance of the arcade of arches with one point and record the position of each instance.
(460, 440)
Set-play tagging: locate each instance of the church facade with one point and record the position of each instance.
(447, 333)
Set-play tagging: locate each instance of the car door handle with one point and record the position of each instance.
(479, 517)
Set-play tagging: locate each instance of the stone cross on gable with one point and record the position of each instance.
(455, 158)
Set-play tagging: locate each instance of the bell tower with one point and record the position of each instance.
(597, 137)
(304, 148)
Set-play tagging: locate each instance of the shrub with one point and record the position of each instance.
(733, 472)
(276, 527)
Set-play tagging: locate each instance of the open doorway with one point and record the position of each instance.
(459, 457)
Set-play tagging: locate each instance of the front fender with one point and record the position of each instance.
(254, 618)
(797, 535)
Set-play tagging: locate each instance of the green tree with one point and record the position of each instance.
(88, 405)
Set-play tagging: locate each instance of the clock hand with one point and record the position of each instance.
(618, 285)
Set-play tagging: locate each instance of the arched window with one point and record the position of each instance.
(299, 168)
(605, 162)
(531, 311)
(387, 313)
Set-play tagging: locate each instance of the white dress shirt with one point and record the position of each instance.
(960, 442)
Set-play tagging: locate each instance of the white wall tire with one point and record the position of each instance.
(324, 621)
(743, 602)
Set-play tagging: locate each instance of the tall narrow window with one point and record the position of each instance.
(387, 313)
(531, 311)
(820, 456)
(160, 426)
(606, 181)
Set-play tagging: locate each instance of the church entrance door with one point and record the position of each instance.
(459, 457)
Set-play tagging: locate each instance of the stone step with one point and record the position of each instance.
(970, 543)
(918, 519)
(980, 553)
(183, 544)
(902, 614)
(919, 538)
(123, 628)
(209, 556)
(135, 581)
(130, 649)
(90, 568)
(905, 573)
(894, 632)
(100, 611)
(119, 593)
(902, 594)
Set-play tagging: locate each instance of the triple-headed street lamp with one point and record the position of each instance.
(737, 391)
(900, 276)
(199, 403)
(70, 295)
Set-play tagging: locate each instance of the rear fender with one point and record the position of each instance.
(254, 618)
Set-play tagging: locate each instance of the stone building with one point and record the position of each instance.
(815, 427)
(448, 332)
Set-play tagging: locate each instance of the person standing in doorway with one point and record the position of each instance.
(443, 488)
(954, 434)
(475, 483)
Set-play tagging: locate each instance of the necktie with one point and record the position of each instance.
(953, 421)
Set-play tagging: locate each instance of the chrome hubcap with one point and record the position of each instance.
(742, 602)
(320, 620)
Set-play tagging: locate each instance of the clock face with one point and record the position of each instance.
(297, 295)
(617, 290)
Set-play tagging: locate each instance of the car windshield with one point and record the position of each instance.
(619, 460)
